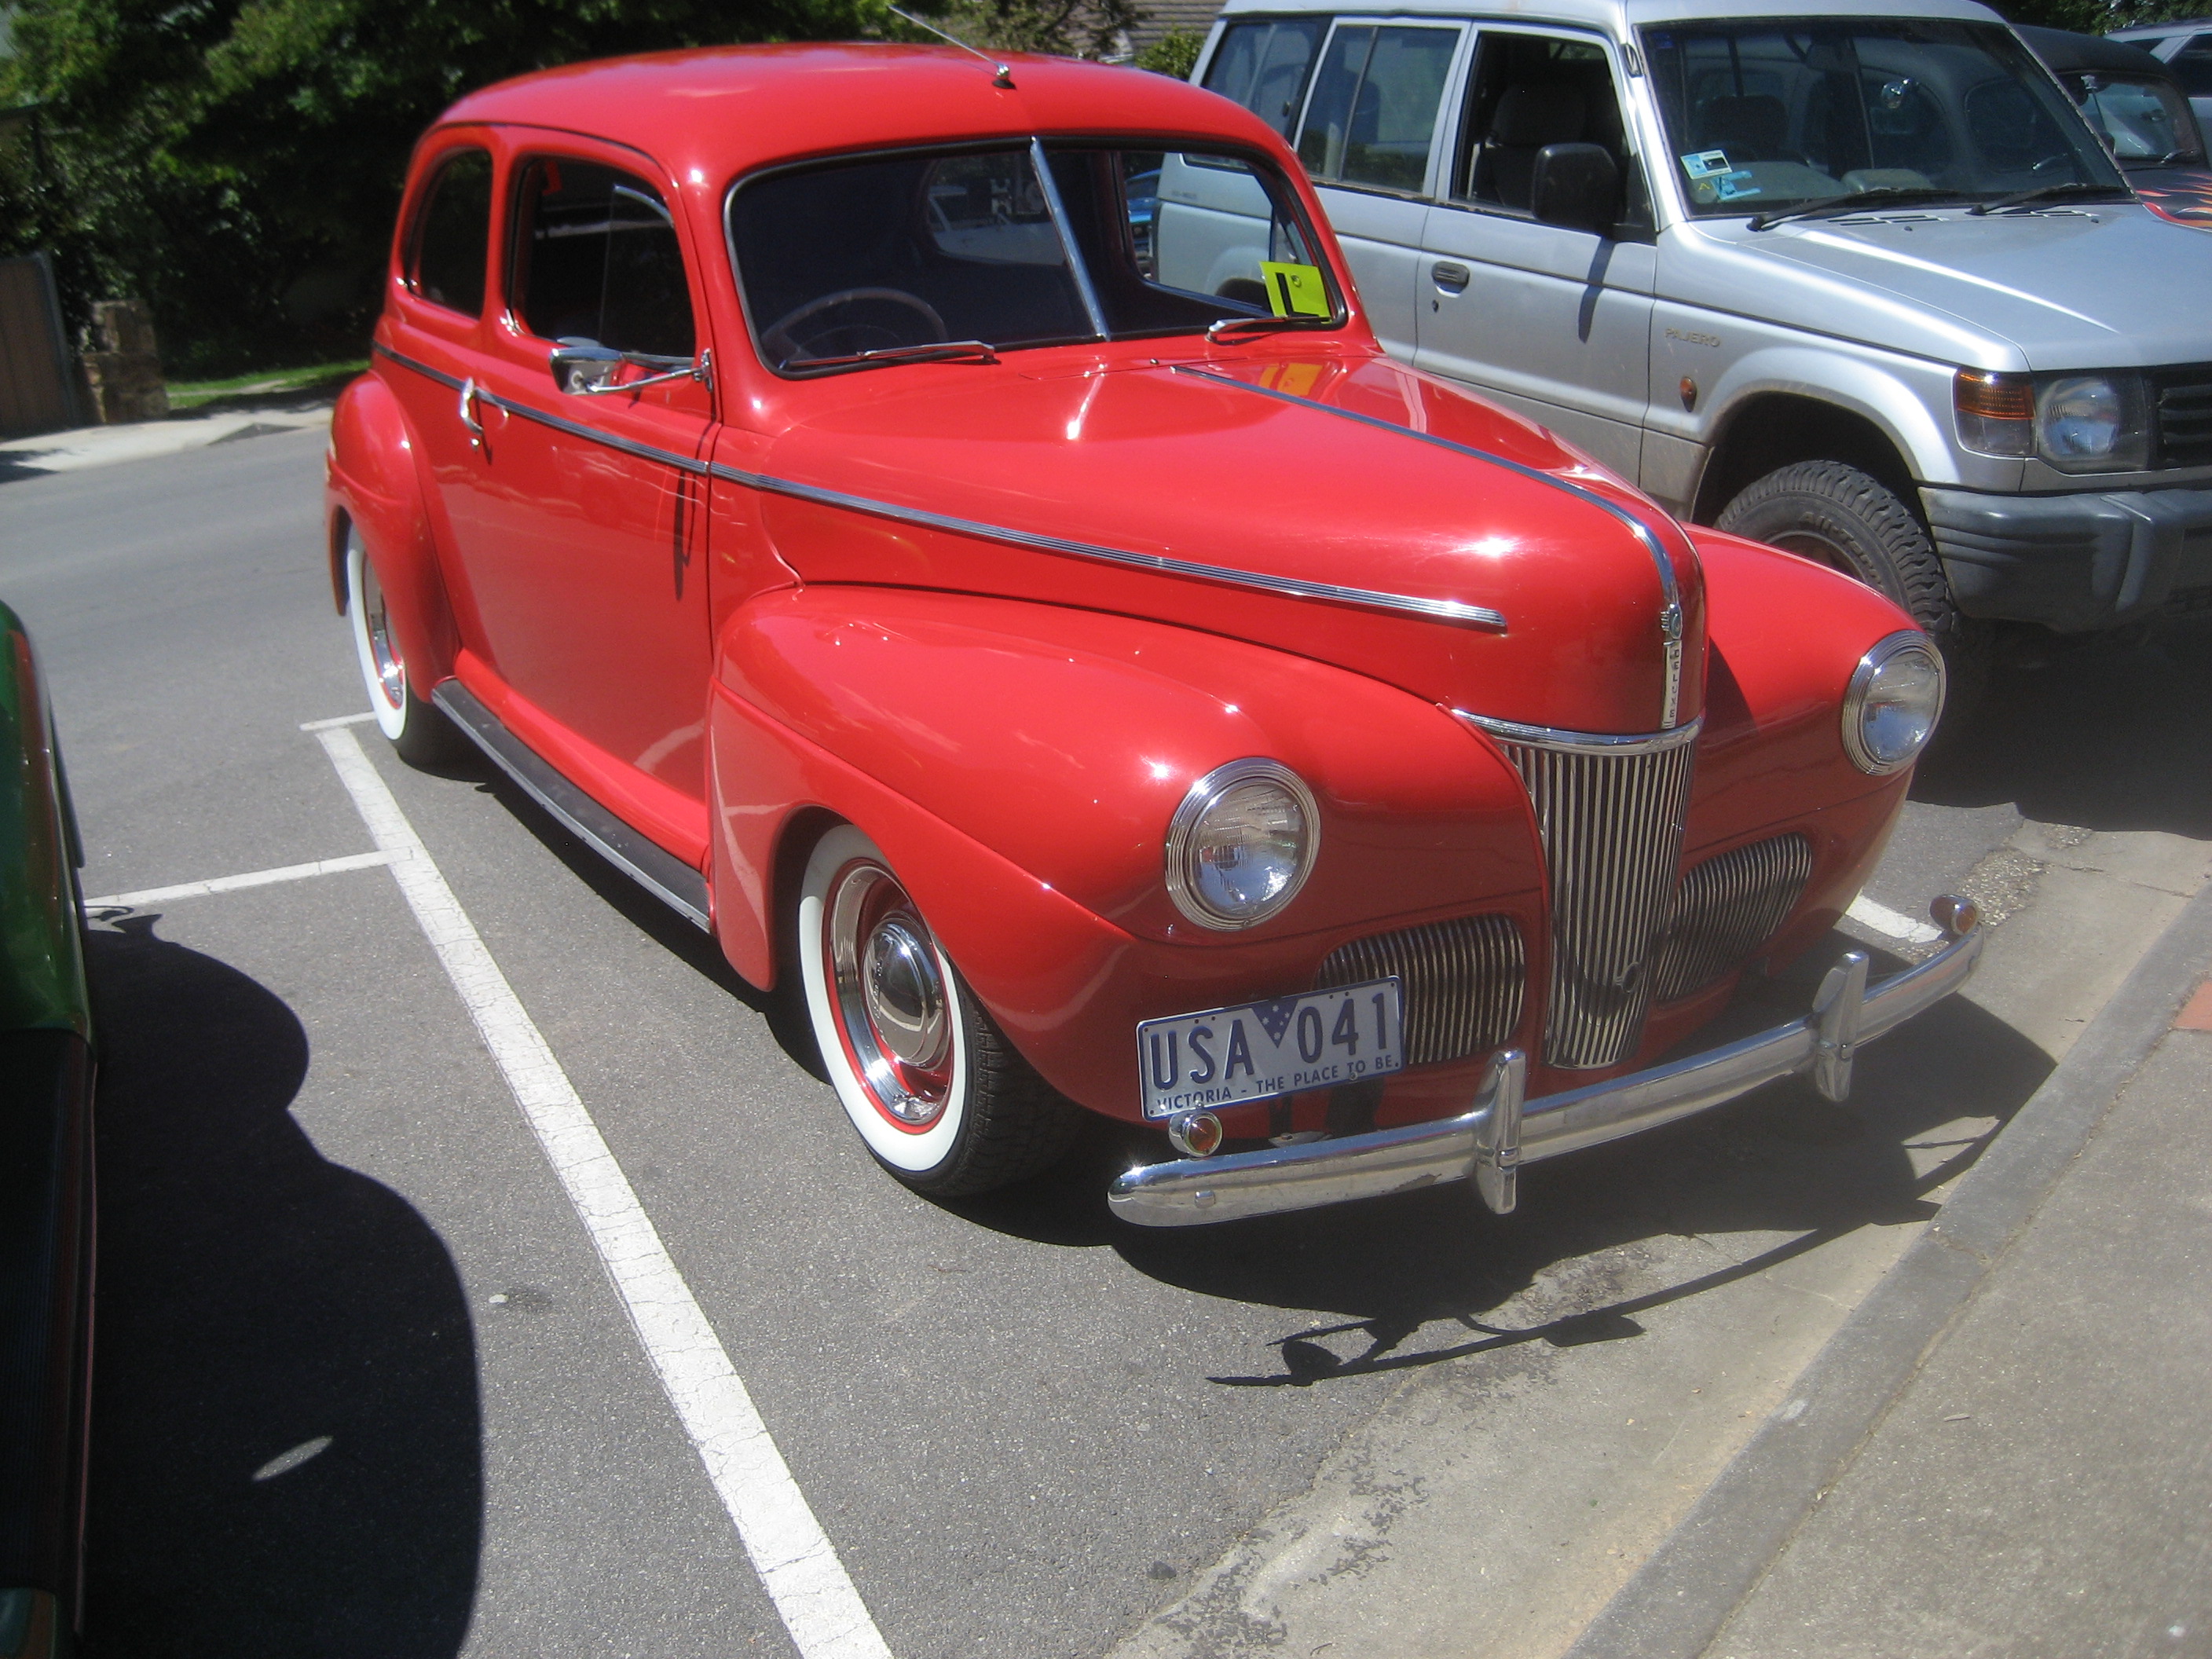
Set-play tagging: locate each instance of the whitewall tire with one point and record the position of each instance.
(939, 1095)
(422, 736)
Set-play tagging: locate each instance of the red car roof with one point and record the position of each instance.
(726, 110)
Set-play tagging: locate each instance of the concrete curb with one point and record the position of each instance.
(1678, 1601)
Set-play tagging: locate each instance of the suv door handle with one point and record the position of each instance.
(1450, 277)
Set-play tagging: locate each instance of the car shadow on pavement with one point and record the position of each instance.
(286, 1453)
(2110, 734)
(1782, 1162)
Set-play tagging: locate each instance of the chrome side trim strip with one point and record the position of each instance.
(1671, 623)
(1583, 743)
(659, 871)
(1452, 612)
(1442, 611)
(573, 429)
(1481, 1143)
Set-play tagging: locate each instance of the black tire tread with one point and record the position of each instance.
(1018, 1125)
(1890, 550)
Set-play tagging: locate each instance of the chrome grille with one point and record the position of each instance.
(1462, 981)
(1610, 813)
(1725, 909)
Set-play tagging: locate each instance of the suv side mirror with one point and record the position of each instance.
(1576, 186)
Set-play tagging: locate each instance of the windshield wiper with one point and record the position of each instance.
(982, 350)
(2075, 191)
(1264, 325)
(1881, 195)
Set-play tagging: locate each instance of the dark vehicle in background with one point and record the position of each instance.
(2144, 113)
(46, 1174)
(2184, 47)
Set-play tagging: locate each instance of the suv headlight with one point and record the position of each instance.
(1895, 698)
(1242, 844)
(2075, 423)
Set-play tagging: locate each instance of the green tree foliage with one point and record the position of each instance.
(1173, 53)
(2097, 16)
(1068, 28)
(237, 162)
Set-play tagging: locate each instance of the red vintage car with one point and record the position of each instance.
(876, 496)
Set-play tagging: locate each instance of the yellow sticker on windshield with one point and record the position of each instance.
(1295, 290)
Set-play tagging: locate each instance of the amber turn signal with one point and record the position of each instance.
(1195, 1135)
(1996, 412)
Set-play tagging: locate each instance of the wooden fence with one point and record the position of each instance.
(37, 390)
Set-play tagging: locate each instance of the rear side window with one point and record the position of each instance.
(596, 258)
(452, 233)
(1373, 114)
(1263, 67)
(2192, 67)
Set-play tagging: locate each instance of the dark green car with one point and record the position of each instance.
(45, 1173)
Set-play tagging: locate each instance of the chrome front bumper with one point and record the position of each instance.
(1489, 1143)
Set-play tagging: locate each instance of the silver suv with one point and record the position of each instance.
(1861, 285)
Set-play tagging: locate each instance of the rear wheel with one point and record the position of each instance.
(939, 1095)
(422, 735)
(1851, 521)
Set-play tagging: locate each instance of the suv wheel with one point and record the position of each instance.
(1852, 522)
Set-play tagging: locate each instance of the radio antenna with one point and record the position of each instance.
(1002, 75)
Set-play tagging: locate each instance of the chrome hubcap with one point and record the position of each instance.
(894, 1008)
(904, 992)
(383, 653)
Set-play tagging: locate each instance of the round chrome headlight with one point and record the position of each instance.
(1896, 695)
(1240, 845)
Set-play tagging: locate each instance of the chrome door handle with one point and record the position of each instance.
(1450, 277)
(468, 413)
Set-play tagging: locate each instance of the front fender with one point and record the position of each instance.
(1897, 397)
(1064, 739)
(376, 485)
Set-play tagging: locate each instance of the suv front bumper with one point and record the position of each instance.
(1489, 1142)
(2074, 563)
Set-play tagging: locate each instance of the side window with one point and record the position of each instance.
(1529, 91)
(2192, 66)
(452, 233)
(596, 258)
(1263, 67)
(1373, 114)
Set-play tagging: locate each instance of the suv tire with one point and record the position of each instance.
(1852, 522)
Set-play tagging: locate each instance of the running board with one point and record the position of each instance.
(659, 871)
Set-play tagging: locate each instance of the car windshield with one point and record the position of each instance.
(2145, 122)
(1766, 116)
(858, 264)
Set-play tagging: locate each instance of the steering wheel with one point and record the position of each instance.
(778, 342)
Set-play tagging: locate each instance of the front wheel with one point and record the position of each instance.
(937, 1093)
(1851, 521)
(422, 735)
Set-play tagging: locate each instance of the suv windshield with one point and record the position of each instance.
(1765, 115)
(862, 263)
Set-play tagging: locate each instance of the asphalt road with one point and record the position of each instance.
(364, 1387)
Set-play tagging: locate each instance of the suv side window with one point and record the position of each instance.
(595, 257)
(2192, 66)
(452, 233)
(1372, 116)
(1263, 66)
(1531, 90)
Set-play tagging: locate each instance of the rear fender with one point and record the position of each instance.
(376, 486)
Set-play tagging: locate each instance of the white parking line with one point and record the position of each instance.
(336, 721)
(1883, 920)
(231, 883)
(823, 1613)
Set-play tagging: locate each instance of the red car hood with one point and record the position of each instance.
(1226, 475)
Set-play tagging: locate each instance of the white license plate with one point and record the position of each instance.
(1317, 1041)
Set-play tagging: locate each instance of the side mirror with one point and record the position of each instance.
(585, 368)
(1576, 186)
